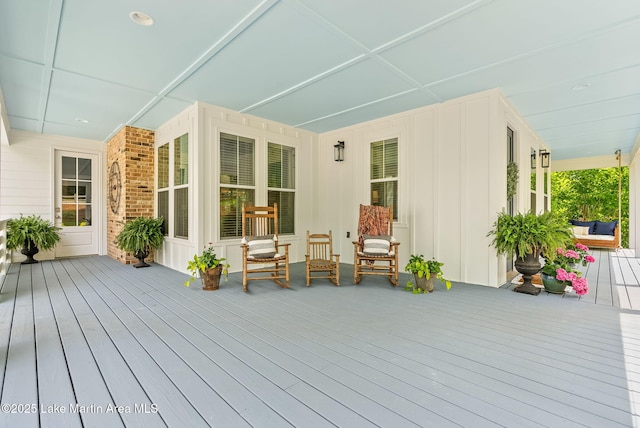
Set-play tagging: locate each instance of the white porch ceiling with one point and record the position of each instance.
(323, 64)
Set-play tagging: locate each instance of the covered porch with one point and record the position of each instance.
(91, 342)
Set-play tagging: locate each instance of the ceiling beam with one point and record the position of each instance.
(50, 45)
(238, 29)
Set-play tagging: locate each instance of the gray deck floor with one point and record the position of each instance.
(90, 342)
(614, 280)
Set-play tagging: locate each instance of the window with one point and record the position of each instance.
(163, 186)
(237, 182)
(181, 186)
(173, 189)
(76, 191)
(282, 184)
(384, 174)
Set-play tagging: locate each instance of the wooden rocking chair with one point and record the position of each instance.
(260, 246)
(376, 251)
(320, 258)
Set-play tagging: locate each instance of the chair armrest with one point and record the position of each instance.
(286, 247)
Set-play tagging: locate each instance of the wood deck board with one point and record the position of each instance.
(453, 370)
(238, 333)
(203, 359)
(54, 382)
(366, 355)
(20, 383)
(121, 384)
(131, 336)
(334, 344)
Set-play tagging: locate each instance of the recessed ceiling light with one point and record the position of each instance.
(81, 120)
(581, 87)
(141, 18)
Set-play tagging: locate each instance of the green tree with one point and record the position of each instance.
(592, 194)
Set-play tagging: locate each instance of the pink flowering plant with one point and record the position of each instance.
(561, 266)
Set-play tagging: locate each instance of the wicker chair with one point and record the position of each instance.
(260, 246)
(321, 259)
(376, 251)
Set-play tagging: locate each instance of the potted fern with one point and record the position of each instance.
(528, 236)
(140, 236)
(32, 234)
(210, 268)
(425, 272)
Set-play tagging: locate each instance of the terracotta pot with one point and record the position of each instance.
(211, 278)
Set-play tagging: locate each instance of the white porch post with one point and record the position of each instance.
(634, 205)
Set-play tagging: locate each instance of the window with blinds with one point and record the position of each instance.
(163, 186)
(237, 182)
(281, 184)
(181, 186)
(384, 174)
(173, 187)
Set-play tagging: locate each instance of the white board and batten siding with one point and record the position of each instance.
(204, 122)
(452, 181)
(27, 176)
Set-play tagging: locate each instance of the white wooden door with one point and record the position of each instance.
(77, 208)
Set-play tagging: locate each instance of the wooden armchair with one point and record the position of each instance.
(376, 251)
(260, 247)
(320, 258)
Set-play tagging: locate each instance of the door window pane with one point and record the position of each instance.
(84, 169)
(68, 168)
(69, 216)
(84, 191)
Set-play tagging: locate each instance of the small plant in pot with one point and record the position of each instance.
(32, 234)
(209, 267)
(528, 236)
(425, 272)
(140, 236)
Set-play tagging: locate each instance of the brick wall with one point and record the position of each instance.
(133, 149)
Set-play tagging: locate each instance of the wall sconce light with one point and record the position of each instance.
(533, 159)
(338, 151)
(544, 158)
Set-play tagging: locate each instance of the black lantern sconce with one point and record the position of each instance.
(545, 157)
(338, 151)
(533, 159)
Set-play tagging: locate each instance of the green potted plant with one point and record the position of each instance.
(210, 268)
(528, 236)
(32, 234)
(425, 272)
(140, 236)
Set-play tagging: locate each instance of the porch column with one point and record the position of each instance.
(130, 152)
(634, 205)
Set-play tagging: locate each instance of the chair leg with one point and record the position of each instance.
(244, 273)
(356, 266)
